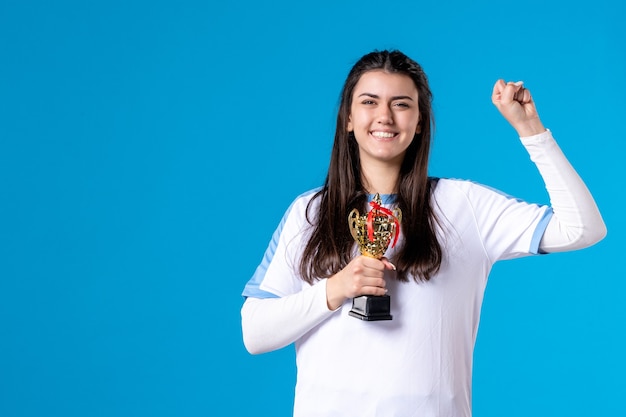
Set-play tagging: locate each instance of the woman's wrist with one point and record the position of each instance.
(333, 300)
(530, 128)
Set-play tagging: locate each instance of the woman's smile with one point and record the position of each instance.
(383, 135)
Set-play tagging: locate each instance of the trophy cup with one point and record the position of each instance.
(374, 232)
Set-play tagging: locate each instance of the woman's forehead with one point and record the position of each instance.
(385, 83)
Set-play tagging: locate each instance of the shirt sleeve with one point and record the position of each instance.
(273, 323)
(280, 307)
(508, 227)
(577, 222)
(276, 275)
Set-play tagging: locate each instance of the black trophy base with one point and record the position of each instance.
(371, 307)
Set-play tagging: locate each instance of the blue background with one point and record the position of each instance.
(149, 149)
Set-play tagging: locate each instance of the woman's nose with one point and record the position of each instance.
(385, 116)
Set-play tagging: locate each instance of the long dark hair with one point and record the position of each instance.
(330, 245)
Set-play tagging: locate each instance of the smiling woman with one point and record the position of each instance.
(452, 232)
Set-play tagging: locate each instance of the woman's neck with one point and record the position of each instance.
(382, 179)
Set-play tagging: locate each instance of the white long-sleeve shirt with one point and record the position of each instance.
(420, 362)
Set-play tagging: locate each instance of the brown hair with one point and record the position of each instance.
(330, 245)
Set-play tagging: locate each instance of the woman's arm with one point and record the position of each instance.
(272, 323)
(576, 222)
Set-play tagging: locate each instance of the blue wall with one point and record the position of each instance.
(149, 149)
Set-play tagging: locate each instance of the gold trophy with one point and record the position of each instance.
(374, 232)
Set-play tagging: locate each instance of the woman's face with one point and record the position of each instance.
(384, 116)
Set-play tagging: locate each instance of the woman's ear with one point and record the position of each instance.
(349, 128)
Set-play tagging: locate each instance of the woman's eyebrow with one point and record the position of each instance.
(392, 98)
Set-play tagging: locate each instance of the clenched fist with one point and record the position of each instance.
(516, 104)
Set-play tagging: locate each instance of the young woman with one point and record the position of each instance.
(452, 232)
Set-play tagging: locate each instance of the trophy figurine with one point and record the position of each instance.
(374, 232)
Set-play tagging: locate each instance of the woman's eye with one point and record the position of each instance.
(368, 102)
(403, 105)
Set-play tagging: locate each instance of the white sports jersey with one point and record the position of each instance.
(419, 363)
